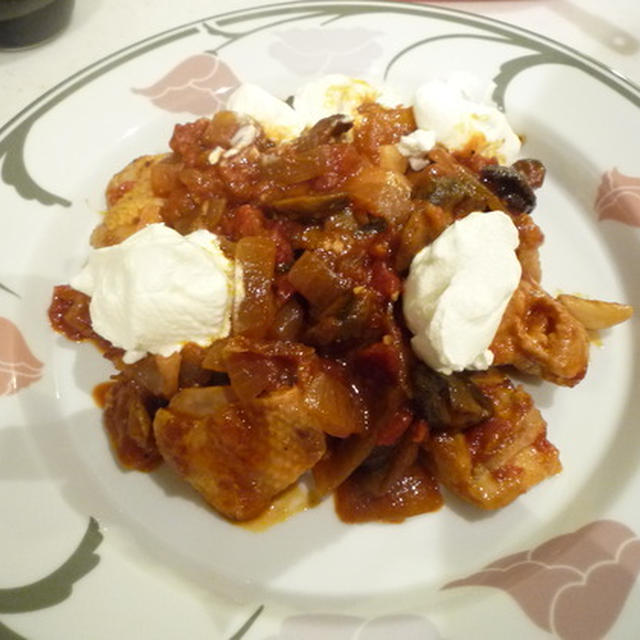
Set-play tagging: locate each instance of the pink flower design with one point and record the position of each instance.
(199, 85)
(341, 627)
(320, 51)
(18, 366)
(574, 585)
(618, 198)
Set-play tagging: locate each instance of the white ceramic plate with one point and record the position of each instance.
(90, 551)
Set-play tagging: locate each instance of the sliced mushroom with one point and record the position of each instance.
(451, 403)
(311, 206)
(324, 131)
(450, 185)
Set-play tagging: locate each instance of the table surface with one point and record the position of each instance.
(608, 31)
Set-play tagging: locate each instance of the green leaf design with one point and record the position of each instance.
(548, 55)
(14, 170)
(8, 634)
(7, 290)
(58, 585)
(241, 632)
(543, 54)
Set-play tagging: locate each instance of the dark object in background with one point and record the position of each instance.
(24, 23)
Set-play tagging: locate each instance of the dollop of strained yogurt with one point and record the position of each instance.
(157, 290)
(457, 291)
(319, 98)
(339, 94)
(279, 120)
(452, 111)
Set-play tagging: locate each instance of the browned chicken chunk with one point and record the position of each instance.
(128, 415)
(238, 456)
(132, 203)
(493, 462)
(539, 336)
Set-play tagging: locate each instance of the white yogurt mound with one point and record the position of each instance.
(450, 110)
(458, 288)
(319, 98)
(333, 94)
(279, 121)
(157, 290)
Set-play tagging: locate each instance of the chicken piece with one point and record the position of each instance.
(128, 415)
(539, 336)
(493, 462)
(131, 203)
(531, 237)
(238, 456)
(452, 402)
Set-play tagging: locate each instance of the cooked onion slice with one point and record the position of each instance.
(596, 314)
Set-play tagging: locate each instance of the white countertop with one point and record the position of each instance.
(607, 31)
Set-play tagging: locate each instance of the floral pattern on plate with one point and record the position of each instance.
(320, 51)
(55, 587)
(618, 198)
(18, 366)
(198, 85)
(574, 585)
